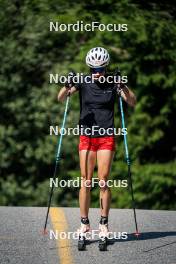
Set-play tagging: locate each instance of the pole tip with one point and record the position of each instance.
(44, 232)
(137, 234)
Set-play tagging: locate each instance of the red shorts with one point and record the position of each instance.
(96, 143)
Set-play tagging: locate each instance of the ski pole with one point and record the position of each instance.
(129, 164)
(117, 73)
(57, 160)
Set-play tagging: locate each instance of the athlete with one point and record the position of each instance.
(97, 139)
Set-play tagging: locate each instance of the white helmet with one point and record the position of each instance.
(97, 57)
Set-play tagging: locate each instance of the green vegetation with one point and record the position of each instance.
(29, 52)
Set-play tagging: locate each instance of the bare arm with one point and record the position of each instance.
(128, 96)
(64, 92)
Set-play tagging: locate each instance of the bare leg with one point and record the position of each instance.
(104, 160)
(87, 165)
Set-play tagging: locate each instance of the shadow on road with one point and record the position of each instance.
(151, 235)
(145, 236)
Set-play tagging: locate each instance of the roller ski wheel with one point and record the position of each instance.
(82, 236)
(103, 235)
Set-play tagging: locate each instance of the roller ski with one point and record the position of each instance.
(103, 244)
(103, 234)
(85, 227)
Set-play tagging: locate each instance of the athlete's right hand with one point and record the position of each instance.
(120, 87)
(69, 83)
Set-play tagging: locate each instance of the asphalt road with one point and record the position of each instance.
(22, 241)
